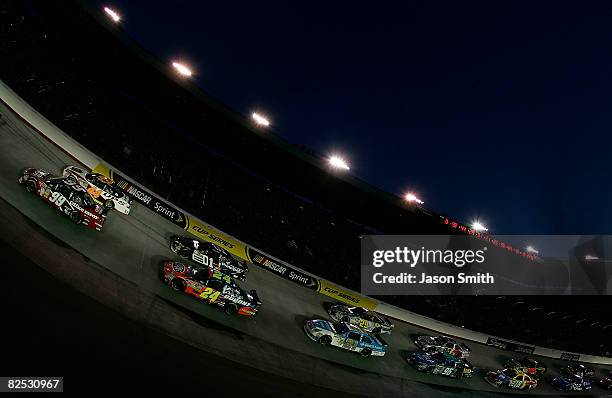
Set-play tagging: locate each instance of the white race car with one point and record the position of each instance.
(345, 336)
(101, 189)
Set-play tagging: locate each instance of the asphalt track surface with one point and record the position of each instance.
(119, 267)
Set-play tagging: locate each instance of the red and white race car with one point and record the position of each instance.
(65, 195)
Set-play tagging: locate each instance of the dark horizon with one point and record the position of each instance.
(486, 112)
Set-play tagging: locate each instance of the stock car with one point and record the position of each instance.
(66, 196)
(571, 383)
(101, 189)
(369, 321)
(345, 336)
(606, 382)
(511, 378)
(526, 365)
(210, 286)
(442, 344)
(440, 363)
(579, 370)
(210, 255)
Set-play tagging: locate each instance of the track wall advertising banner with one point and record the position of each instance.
(345, 296)
(283, 270)
(144, 197)
(209, 234)
(510, 346)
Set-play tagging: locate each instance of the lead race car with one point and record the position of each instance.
(101, 189)
(369, 321)
(210, 255)
(440, 363)
(345, 336)
(442, 344)
(210, 286)
(66, 196)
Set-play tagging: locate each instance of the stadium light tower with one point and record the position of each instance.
(261, 120)
(412, 198)
(182, 69)
(338, 162)
(531, 249)
(478, 226)
(112, 14)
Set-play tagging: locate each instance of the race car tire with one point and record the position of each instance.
(325, 340)
(177, 285)
(76, 217)
(231, 309)
(184, 252)
(78, 201)
(423, 368)
(366, 352)
(377, 330)
(345, 319)
(30, 186)
(109, 204)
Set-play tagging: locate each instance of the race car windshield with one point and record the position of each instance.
(341, 328)
(88, 201)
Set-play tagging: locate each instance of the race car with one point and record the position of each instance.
(442, 344)
(369, 321)
(578, 369)
(345, 336)
(210, 255)
(101, 189)
(440, 363)
(511, 378)
(571, 383)
(606, 382)
(65, 195)
(210, 286)
(526, 365)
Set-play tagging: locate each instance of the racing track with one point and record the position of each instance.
(132, 248)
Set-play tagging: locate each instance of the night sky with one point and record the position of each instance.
(497, 110)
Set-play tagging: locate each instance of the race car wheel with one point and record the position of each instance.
(76, 217)
(366, 352)
(109, 204)
(31, 186)
(184, 252)
(231, 309)
(377, 330)
(325, 340)
(178, 285)
(345, 319)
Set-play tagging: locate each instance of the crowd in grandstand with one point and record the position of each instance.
(223, 192)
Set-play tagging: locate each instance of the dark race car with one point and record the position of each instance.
(606, 382)
(65, 195)
(440, 363)
(442, 344)
(526, 365)
(367, 320)
(210, 255)
(210, 286)
(571, 383)
(579, 370)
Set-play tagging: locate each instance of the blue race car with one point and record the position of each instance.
(571, 383)
(345, 336)
(440, 363)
